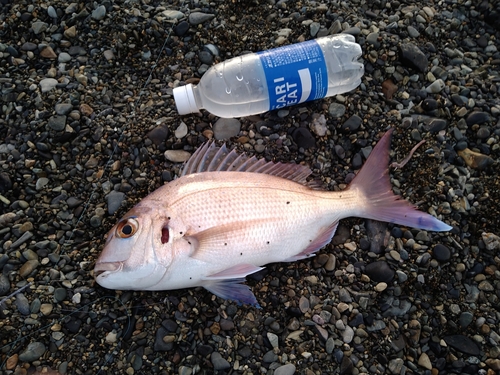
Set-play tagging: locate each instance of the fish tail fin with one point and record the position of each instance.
(381, 203)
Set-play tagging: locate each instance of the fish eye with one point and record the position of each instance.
(127, 228)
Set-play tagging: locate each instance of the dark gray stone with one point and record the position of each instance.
(413, 57)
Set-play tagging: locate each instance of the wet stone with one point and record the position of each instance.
(28, 267)
(379, 271)
(441, 253)
(33, 352)
(465, 319)
(352, 123)
(303, 138)
(114, 200)
(177, 156)
(270, 356)
(475, 160)
(288, 369)
(22, 304)
(412, 56)
(60, 294)
(57, 123)
(99, 13)
(181, 28)
(226, 128)
(197, 18)
(462, 344)
(4, 285)
(158, 135)
(477, 117)
(218, 362)
(336, 110)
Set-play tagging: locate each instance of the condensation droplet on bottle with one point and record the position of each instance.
(228, 90)
(239, 76)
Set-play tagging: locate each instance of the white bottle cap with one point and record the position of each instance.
(184, 100)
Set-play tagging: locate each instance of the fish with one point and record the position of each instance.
(227, 215)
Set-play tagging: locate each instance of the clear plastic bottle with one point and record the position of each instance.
(277, 78)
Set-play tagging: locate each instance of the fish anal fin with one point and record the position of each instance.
(232, 289)
(324, 238)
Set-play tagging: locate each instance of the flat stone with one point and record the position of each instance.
(475, 160)
(441, 253)
(63, 108)
(57, 123)
(379, 271)
(64, 57)
(158, 135)
(413, 57)
(348, 334)
(336, 110)
(389, 88)
(99, 13)
(33, 352)
(218, 362)
(173, 14)
(435, 86)
(197, 18)
(114, 200)
(22, 304)
(28, 267)
(478, 117)
(225, 128)
(462, 344)
(287, 369)
(181, 130)
(47, 84)
(48, 53)
(425, 361)
(352, 123)
(177, 156)
(39, 27)
(303, 138)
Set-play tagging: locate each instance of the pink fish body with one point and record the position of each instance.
(228, 215)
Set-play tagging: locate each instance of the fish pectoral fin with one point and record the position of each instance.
(210, 243)
(238, 271)
(232, 289)
(324, 238)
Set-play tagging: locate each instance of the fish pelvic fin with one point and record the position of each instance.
(380, 203)
(228, 284)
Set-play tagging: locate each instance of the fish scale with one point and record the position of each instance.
(228, 215)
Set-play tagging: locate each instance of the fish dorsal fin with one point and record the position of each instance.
(211, 158)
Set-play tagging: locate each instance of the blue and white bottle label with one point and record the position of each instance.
(295, 74)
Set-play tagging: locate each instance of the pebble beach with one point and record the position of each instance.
(89, 127)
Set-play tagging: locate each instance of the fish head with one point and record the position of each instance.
(129, 259)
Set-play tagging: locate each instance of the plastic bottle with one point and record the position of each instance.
(280, 77)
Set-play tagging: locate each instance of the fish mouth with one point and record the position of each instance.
(101, 268)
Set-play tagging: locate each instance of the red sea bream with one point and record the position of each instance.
(228, 215)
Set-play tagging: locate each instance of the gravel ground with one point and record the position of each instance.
(88, 127)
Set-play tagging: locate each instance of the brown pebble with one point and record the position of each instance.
(475, 160)
(86, 110)
(485, 329)
(330, 264)
(389, 88)
(28, 267)
(215, 328)
(12, 362)
(70, 32)
(48, 53)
